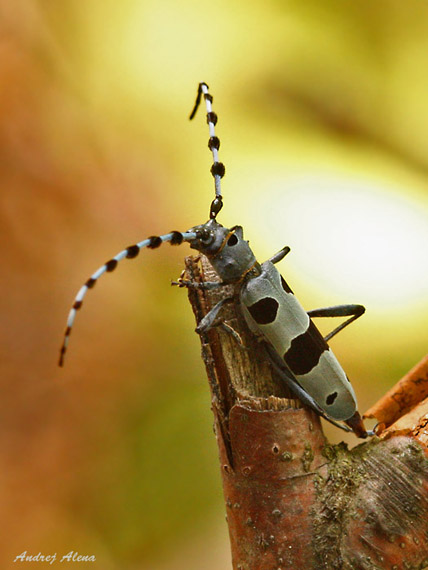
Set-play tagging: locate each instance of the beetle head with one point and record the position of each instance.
(227, 250)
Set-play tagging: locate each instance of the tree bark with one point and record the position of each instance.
(293, 501)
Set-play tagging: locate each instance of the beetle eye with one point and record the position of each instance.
(233, 240)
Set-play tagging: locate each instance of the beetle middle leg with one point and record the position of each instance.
(212, 320)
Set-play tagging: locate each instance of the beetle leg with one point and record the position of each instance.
(303, 396)
(280, 255)
(209, 321)
(212, 320)
(354, 311)
(195, 285)
(230, 330)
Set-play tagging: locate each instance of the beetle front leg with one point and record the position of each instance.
(207, 285)
(280, 255)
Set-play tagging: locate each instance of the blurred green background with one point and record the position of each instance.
(323, 120)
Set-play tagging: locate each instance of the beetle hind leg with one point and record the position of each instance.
(352, 311)
(303, 396)
(355, 422)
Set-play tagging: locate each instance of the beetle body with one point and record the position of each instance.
(270, 307)
(272, 311)
(297, 350)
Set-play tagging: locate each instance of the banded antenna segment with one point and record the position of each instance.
(217, 169)
(152, 242)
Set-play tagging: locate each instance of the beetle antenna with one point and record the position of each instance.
(152, 242)
(218, 168)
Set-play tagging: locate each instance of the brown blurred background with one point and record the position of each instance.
(324, 126)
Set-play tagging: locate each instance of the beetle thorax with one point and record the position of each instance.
(228, 252)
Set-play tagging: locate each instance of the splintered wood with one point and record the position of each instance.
(404, 408)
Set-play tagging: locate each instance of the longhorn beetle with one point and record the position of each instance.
(297, 350)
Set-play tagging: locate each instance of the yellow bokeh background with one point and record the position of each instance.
(324, 129)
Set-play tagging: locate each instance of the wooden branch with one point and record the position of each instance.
(293, 501)
(404, 408)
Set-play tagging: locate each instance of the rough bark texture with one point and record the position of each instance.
(292, 500)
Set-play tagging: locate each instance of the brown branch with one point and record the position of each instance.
(292, 500)
(404, 408)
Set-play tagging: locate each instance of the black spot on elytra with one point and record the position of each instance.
(285, 285)
(90, 282)
(264, 311)
(305, 351)
(77, 305)
(331, 398)
(132, 251)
